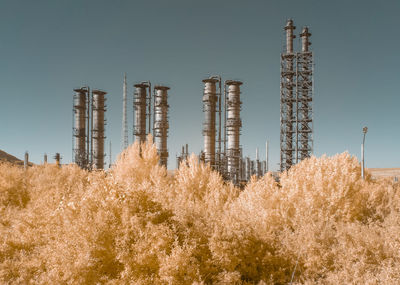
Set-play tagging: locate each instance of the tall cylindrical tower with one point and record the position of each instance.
(288, 121)
(80, 100)
(98, 109)
(305, 39)
(161, 125)
(209, 108)
(139, 105)
(289, 28)
(304, 97)
(233, 125)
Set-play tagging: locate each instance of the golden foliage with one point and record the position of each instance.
(135, 224)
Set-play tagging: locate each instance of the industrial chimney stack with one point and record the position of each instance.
(209, 107)
(233, 125)
(161, 124)
(79, 131)
(139, 105)
(296, 138)
(98, 128)
(88, 128)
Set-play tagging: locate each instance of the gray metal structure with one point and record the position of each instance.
(26, 160)
(98, 136)
(233, 125)
(57, 158)
(296, 133)
(304, 98)
(125, 139)
(80, 109)
(287, 100)
(209, 127)
(140, 103)
(183, 156)
(248, 168)
(161, 124)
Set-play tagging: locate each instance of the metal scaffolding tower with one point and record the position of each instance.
(296, 135)
(125, 140)
(287, 100)
(304, 87)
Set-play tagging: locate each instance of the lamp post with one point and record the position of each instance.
(365, 130)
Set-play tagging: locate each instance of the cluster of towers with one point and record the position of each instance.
(88, 131)
(221, 132)
(222, 144)
(222, 121)
(148, 119)
(296, 134)
(57, 158)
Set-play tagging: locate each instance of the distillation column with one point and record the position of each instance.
(161, 124)
(80, 100)
(287, 101)
(304, 101)
(233, 125)
(98, 110)
(209, 108)
(139, 102)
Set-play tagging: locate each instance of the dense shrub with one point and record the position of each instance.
(136, 224)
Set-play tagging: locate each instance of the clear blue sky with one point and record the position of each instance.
(49, 47)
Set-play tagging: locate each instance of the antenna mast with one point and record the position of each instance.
(125, 141)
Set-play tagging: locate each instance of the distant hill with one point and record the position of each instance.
(9, 158)
(385, 172)
(12, 159)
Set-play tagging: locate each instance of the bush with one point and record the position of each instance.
(136, 224)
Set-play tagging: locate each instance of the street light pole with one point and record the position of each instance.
(365, 130)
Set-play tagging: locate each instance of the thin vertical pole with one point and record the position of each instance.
(88, 127)
(362, 160)
(224, 125)
(91, 129)
(266, 155)
(125, 140)
(109, 166)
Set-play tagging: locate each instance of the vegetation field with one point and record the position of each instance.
(135, 224)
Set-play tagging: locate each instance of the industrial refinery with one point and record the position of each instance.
(88, 128)
(296, 138)
(222, 123)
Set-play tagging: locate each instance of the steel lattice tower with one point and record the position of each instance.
(125, 140)
(296, 138)
(304, 81)
(287, 100)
